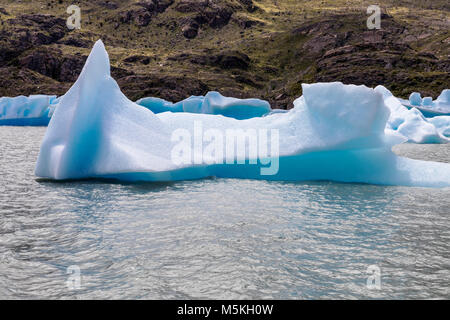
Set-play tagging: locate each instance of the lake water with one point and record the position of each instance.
(217, 238)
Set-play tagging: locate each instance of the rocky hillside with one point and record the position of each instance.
(244, 48)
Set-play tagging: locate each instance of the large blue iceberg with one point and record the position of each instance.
(334, 132)
(35, 110)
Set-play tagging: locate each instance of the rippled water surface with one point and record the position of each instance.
(217, 238)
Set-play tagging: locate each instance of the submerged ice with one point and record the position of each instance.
(334, 132)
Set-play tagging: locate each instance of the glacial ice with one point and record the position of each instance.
(35, 110)
(158, 105)
(334, 132)
(428, 107)
(410, 123)
(212, 103)
(443, 101)
(427, 101)
(442, 124)
(415, 99)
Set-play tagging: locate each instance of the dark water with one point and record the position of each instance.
(217, 238)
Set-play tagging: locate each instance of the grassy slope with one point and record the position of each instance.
(280, 58)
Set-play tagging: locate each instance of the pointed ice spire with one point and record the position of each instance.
(97, 64)
(75, 129)
(86, 133)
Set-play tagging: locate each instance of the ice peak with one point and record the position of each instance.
(97, 64)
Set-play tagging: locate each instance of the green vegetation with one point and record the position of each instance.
(287, 42)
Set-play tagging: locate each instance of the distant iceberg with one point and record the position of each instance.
(35, 110)
(428, 107)
(212, 103)
(334, 132)
(411, 123)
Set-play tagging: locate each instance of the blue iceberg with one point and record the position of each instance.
(212, 103)
(442, 124)
(415, 99)
(443, 101)
(334, 132)
(35, 110)
(158, 105)
(428, 107)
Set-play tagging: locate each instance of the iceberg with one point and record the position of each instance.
(410, 123)
(442, 124)
(334, 132)
(427, 101)
(428, 107)
(158, 105)
(212, 103)
(35, 110)
(415, 99)
(443, 101)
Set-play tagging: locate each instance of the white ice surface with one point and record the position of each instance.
(334, 132)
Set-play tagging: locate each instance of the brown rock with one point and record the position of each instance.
(191, 5)
(42, 61)
(138, 58)
(172, 88)
(190, 31)
(3, 11)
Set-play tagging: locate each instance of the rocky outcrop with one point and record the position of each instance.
(4, 12)
(54, 64)
(43, 61)
(46, 28)
(342, 50)
(212, 13)
(141, 17)
(227, 45)
(108, 5)
(29, 31)
(143, 12)
(76, 42)
(157, 6)
(138, 59)
(16, 81)
(249, 5)
(191, 5)
(190, 28)
(171, 88)
(244, 22)
(224, 60)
